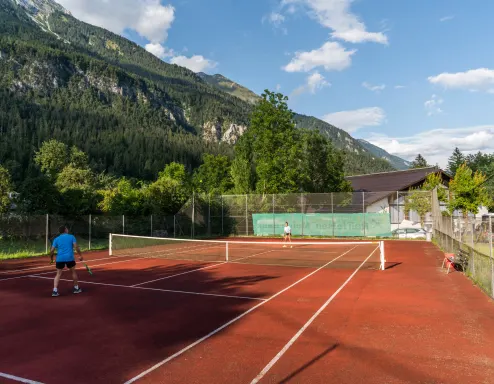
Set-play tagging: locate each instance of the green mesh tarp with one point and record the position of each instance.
(323, 224)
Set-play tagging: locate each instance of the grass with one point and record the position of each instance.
(23, 248)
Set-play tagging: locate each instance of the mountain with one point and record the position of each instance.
(229, 86)
(395, 161)
(360, 157)
(131, 112)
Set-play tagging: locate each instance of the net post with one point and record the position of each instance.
(90, 220)
(47, 229)
(110, 244)
(382, 256)
(226, 251)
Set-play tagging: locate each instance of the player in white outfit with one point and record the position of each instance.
(287, 235)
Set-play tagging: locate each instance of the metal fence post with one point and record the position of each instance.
(491, 253)
(274, 218)
(151, 225)
(209, 216)
(222, 217)
(174, 233)
(47, 230)
(303, 209)
(123, 224)
(332, 212)
(193, 215)
(89, 243)
(363, 210)
(247, 215)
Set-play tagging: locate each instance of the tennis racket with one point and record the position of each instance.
(88, 269)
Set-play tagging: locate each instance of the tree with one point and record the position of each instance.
(419, 162)
(51, 157)
(455, 161)
(77, 190)
(484, 163)
(213, 176)
(5, 188)
(468, 191)
(171, 190)
(420, 199)
(271, 143)
(321, 168)
(123, 199)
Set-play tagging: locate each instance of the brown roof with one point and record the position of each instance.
(380, 185)
(393, 181)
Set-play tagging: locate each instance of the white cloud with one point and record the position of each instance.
(277, 20)
(196, 63)
(446, 18)
(336, 15)
(278, 87)
(432, 106)
(481, 79)
(351, 121)
(331, 56)
(399, 86)
(147, 17)
(314, 82)
(438, 144)
(159, 50)
(373, 88)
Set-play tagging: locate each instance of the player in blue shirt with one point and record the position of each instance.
(65, 244)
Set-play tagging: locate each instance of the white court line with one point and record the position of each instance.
(178, 274)
(195, 270)
(157, 289)
(51, 266)
(19, 379)
(156, 366)
(306, 325)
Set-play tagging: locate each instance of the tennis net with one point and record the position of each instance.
(349, 254)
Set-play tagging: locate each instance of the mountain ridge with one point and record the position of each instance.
(139, 112)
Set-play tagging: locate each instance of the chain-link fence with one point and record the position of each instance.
(470, 238)
(352, 214)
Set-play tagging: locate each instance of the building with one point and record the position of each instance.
(386, 192)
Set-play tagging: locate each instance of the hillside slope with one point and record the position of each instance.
(395, 161)
(130, 111)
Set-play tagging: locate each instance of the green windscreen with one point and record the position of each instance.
(323, 224)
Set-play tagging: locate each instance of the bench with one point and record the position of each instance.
(454, 261)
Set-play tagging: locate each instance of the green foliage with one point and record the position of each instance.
(38, 195)
(5, 188)
(419, 162)
(484, 163)
(455, 161)
(213, 176)
(124, 199)
(51, 157)
(77, 190)
(170, 191)
(468, 191)
(420, 200)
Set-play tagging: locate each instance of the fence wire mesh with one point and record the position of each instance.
(470, 238)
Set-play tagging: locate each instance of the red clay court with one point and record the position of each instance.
(199, 312)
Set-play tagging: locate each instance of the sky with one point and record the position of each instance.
(410, 76)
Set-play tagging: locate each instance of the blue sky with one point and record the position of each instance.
(412, 76)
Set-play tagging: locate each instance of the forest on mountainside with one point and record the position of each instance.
(129, 111)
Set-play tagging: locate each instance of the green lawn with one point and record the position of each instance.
(16, 249)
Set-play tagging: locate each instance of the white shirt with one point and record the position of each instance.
(287, 229)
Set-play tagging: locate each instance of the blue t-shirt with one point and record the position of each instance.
(65, 247)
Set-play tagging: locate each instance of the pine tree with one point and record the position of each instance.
(419, 162)
(455, 161)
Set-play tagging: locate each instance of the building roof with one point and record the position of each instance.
(393, 181)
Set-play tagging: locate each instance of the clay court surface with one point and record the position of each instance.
(177, 321)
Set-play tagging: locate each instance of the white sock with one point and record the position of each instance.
(76, 286)
(55, 289)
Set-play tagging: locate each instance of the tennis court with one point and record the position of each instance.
(238, 311)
